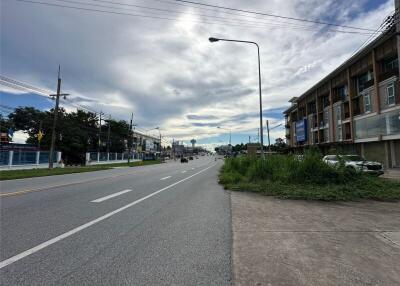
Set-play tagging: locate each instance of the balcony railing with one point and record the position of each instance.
(388, 74)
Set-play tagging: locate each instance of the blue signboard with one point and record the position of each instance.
(301, 130)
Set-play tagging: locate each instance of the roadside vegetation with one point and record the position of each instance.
(30, 173)
(308, 177)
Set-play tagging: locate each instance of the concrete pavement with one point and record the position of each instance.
(154, 232)
(288, 242)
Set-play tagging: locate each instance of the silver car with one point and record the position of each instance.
(355, 162)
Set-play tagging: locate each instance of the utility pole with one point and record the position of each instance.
(108, 134)
(130, 141)
(173, 148)
(249, 139)
(160, 143)
(99, 142)
(53, 134)
(269, 143)
(397, 20)
(258, 135)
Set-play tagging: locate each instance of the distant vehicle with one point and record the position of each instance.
(355, 162)
(197, 157)
(184, 160)
(190, 158)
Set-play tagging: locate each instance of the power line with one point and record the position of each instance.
(23, 86)
(386, 25)
(216, 22)
(124, 5)
(274, 15)
(41, 91)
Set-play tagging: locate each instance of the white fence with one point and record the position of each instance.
(18, 159)
(97, 158)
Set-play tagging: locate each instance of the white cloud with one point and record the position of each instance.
(163, 71)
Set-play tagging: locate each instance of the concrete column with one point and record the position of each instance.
(108, 156)
(387, 154)
(116, 156)
(98, 156)
(316, 108)
(351, 90)
(37, 157)
(87, 159)
(393, 154)
(362, 150)
(332, 124)
(10, 158)
(123, 156)
(375, 67)
(58, 156)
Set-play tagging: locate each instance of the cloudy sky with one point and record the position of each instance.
(157, 61)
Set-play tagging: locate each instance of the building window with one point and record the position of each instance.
(338, 112)
(364, 81)
(390, 64)
(339, 133)
(390, 94)
(367, 103)
(342, 92)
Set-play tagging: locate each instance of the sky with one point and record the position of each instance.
(166, 72)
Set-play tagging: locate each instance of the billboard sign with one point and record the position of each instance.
(301, 130)
(149, 145)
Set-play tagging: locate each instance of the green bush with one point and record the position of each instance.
(307, 177)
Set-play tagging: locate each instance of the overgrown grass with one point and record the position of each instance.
(286, 176)
(30, 173)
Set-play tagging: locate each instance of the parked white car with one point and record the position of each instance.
(356, 162)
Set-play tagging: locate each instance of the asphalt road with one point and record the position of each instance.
(163, 224)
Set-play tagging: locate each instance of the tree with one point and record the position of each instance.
(76, 132)
(119, 132)
(279, 145)
(5, 123)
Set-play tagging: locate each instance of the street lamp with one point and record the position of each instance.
(230, 133)
(212, 40)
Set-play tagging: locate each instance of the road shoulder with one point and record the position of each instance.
(288, 242)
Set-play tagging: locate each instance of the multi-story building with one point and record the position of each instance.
(145, 144)
(356, 108)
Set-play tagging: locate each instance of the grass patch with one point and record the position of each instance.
(30, 173)
(286, 176)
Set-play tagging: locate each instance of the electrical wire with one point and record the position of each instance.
(383, 27)
(273, 15)
(215, 22)
(125, 5)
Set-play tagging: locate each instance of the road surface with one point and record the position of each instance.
(165, 224)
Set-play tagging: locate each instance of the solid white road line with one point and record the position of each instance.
(32, 250)
(165, 178)
(183, 172)
(99, 200)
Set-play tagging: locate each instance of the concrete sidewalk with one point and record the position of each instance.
(287, 242)
(392, 174)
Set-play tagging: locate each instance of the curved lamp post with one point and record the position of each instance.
(212, 40)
